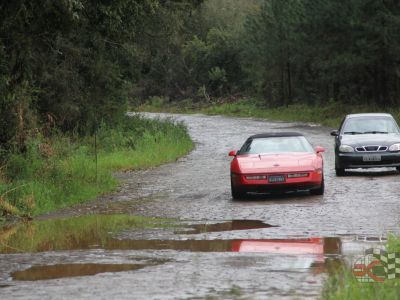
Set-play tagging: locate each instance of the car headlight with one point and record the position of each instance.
(346, 148)
(394, 147)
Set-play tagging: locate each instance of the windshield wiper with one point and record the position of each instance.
(375, 132)
(352, 132)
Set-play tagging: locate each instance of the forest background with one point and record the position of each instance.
(72, 64)
(69, 70)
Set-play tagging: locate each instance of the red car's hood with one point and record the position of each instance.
(286, 162)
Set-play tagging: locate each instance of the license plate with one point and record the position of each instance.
(372, 157)
(276, 178)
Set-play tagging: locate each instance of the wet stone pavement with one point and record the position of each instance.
(203, 245)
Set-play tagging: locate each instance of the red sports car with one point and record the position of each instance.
(277, 162)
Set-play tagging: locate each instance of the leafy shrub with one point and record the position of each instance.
(35, 183)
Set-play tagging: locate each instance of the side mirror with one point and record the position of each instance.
(335, 133)
(232, 153)
(319, 149)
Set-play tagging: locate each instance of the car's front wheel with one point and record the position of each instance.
(320, 190)
(236, 192)
(338, 167)
(340, 172)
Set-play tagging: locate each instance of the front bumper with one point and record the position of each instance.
(312, 181)
(355, 160)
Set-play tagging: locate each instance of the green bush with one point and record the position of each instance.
(62, 170)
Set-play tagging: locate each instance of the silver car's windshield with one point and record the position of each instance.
(276, 145)
(370, 125)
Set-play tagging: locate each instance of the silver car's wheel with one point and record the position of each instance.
(340, 172)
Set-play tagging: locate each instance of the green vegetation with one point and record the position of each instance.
(85, 232)
(329, 115)
(343, 285)
(57, 171)
(67, 66)
(68, 69)
(73, 63)
(76, 62)
(286, 52)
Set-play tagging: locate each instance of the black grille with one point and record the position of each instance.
(371, 149)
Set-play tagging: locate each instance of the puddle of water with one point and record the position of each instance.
(71, 270)
(310, 253)
(225, 226)
(320, 255)
(313, 246)
(2, 286)
(98, 232)
(85, 232)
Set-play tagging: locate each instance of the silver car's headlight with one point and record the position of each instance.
(346, 148)
(394, 147)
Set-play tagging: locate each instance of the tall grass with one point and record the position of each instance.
(344, 286)
(62, 170)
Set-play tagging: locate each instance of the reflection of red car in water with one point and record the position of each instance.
(303, 246)
(277, 162)
(303, 253)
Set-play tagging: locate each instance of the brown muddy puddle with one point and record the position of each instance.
(104, 232)
(101, 232)
(71, 270)
(224, 226)
(312, 246)
(312, 254)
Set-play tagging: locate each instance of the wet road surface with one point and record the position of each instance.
(207, 246)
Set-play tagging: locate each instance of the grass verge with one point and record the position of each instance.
(62, 170)
(344, 286)
(329, 114)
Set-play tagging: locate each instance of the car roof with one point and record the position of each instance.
(274, 134)
(369, 115)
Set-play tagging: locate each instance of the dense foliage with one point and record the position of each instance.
(63, 170)
(320, 50)
(72, 64)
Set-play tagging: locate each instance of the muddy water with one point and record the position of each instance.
(262, 247)
(70, 270)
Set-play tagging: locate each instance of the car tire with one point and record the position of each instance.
(398, 169)
(340, 172)
(320, 190)
(338, 167)
(237, 194)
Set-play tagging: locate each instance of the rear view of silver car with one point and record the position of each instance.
(367, 141)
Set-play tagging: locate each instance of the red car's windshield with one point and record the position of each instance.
(276, 145)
